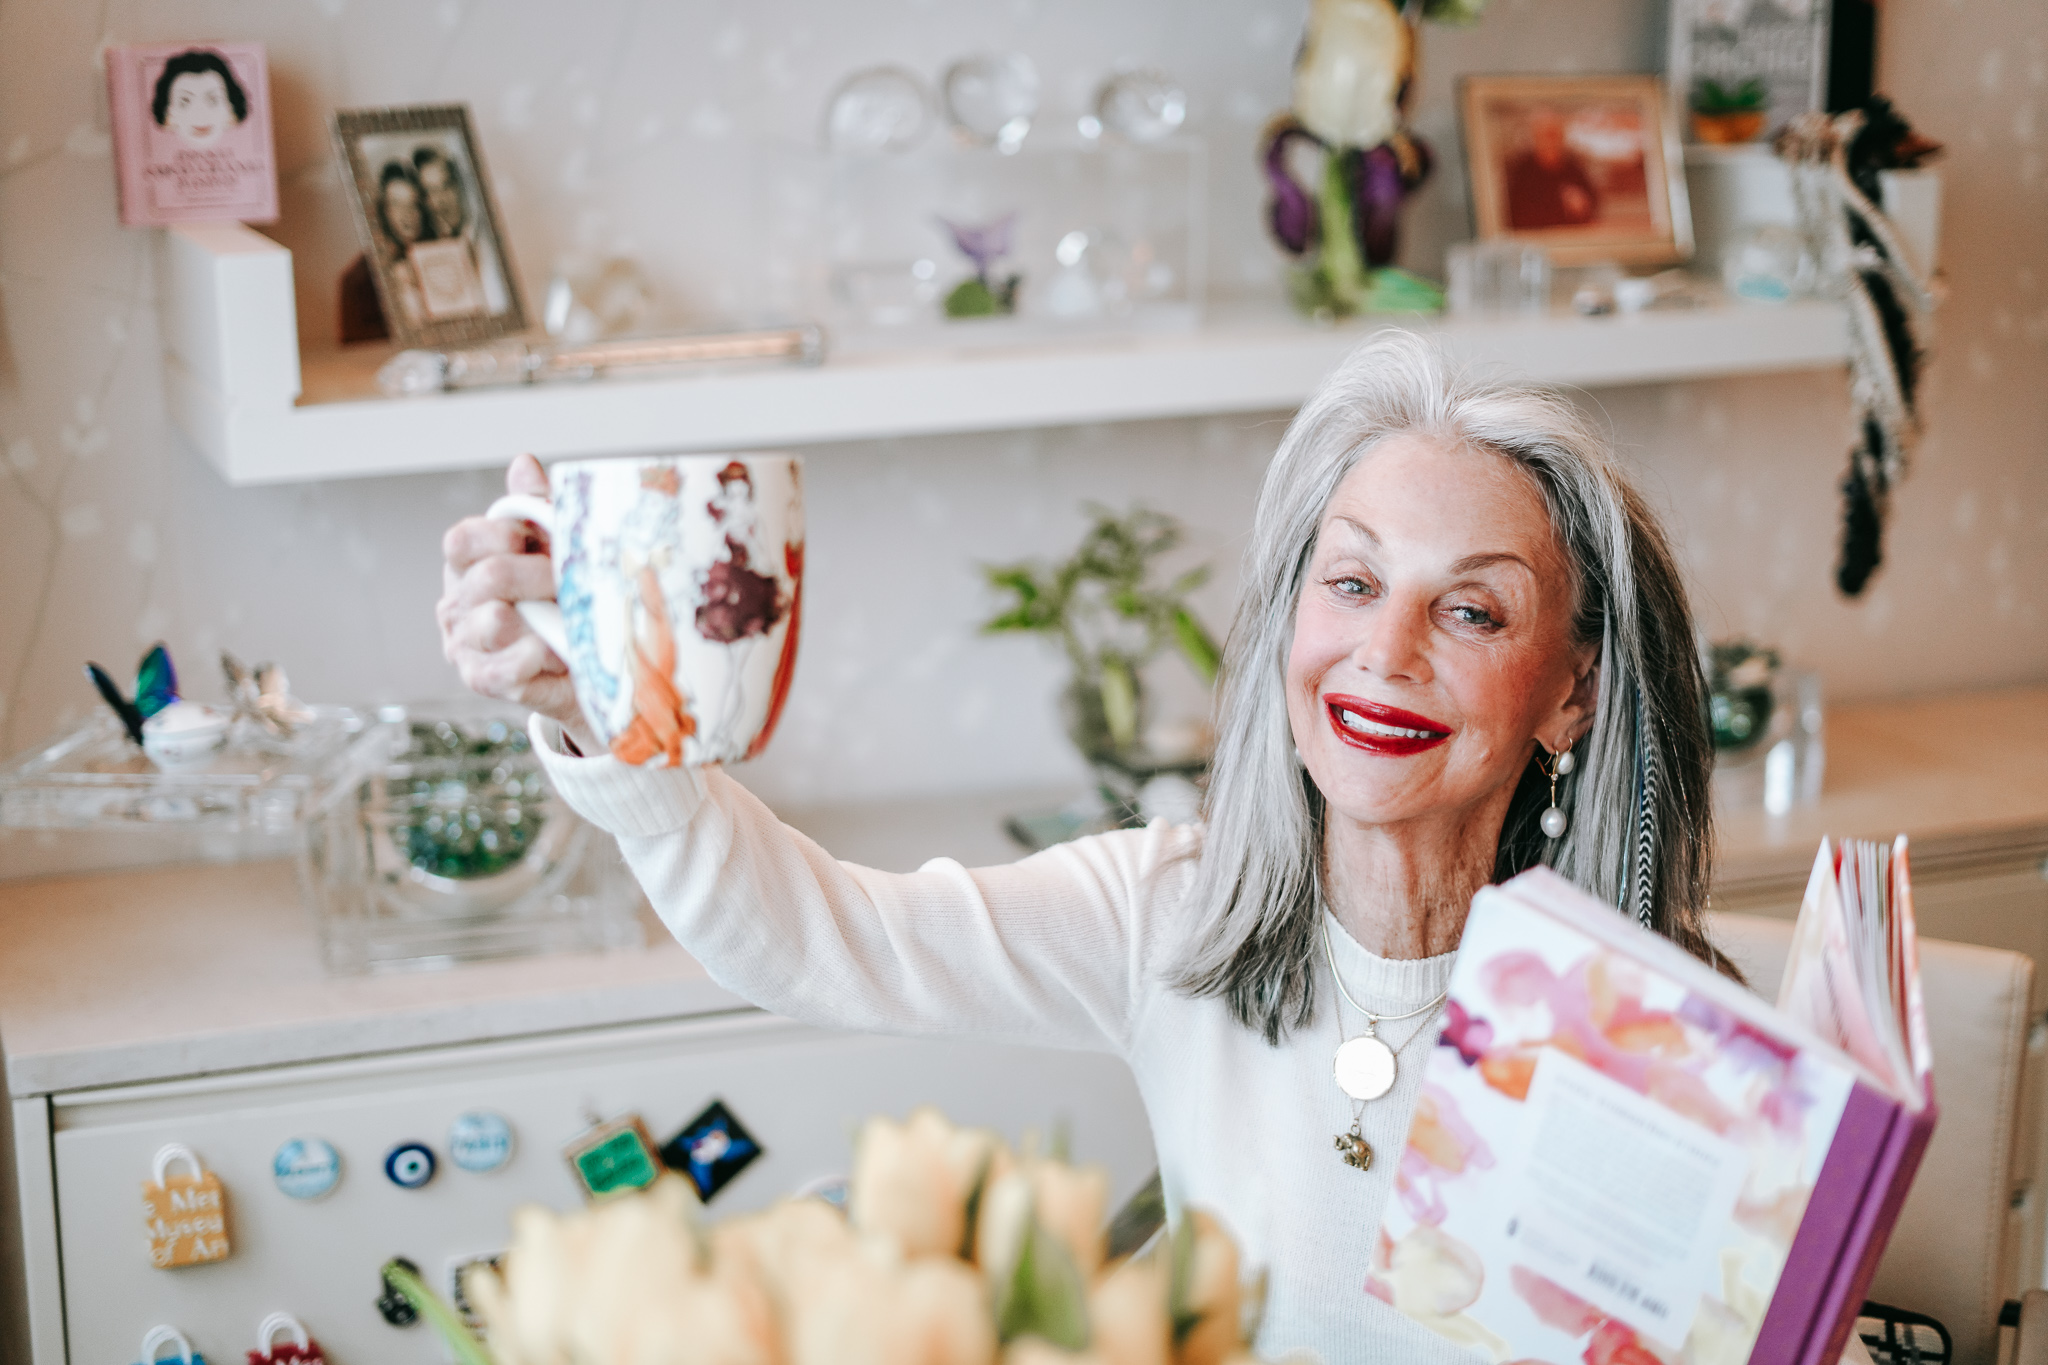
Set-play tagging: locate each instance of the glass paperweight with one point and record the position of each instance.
(992, 100)
(880, 109)
(1143, 106)
(448, 845)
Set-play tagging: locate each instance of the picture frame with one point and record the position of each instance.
(192, 133)
(430, 228)
(1589, 168)
(1739, 70)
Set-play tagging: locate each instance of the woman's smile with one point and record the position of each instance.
(1381, 729)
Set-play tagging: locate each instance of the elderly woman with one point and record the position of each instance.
(1463, 649)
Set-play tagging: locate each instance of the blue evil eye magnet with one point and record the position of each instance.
(409, 1165)
(306, 1168)
(479, 1141)
(711, 1149)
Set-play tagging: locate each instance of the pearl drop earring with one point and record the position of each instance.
(1554, 821)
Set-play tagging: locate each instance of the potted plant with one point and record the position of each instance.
(1727, 117)
(1103, 608)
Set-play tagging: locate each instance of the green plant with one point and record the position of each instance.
(1712, 97)
(1111, 620)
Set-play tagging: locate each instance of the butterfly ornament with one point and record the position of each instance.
(171, 730)
(264, 695)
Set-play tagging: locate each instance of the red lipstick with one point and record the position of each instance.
(1362, 724)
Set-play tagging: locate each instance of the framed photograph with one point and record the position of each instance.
(1587, 167)
(429, 226)
(191, 125)
(1741, 69)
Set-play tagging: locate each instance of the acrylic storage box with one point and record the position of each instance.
(92, 798)
(447, 844)
(1106, 236)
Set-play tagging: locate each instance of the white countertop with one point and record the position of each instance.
(152, 975)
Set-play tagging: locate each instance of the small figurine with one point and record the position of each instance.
(264, 695)
(981, 296)
(170, 730)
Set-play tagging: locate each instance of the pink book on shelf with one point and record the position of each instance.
(192, 138)
(1622, 1156)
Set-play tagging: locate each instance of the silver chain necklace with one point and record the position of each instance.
(1365, 1066)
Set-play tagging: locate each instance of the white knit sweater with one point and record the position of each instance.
(1064, 949)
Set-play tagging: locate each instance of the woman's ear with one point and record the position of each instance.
(1575, 716)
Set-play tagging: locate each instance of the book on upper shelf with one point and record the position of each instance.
(1621, 1154)
(192, 137)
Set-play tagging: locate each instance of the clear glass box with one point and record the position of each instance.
(1108, 236)
(445, 843)
(95, 800)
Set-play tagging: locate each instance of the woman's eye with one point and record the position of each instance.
(1473, 616)
(1351, 585)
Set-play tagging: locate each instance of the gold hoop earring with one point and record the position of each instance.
(1554, 822)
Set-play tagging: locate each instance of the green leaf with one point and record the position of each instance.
(1045, 1295)
(1119, 701)
(974, 1196)
(461, 1342)
(1180, 1281)
(1196, 645)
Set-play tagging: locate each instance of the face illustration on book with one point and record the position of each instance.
(1432, 636)
(199, 99)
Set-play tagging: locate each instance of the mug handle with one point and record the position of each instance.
(542, 618)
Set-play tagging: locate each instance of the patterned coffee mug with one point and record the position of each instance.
(678, 590)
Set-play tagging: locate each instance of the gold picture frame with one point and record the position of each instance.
(1589, 168)
(429, 225)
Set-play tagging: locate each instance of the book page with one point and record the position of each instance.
(1824, 985)
(1623, 1201)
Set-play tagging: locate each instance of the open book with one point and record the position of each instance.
(1621, 1155)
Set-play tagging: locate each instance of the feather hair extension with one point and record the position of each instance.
(1643, 885)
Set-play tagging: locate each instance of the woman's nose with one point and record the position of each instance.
(1395, 642)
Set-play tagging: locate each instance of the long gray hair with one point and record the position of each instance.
(1640, 833)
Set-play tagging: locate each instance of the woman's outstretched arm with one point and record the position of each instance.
(1052, 950)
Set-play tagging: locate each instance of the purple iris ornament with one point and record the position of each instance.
(1351, 83)
(983, 295)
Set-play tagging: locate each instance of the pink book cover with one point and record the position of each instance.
(192, 138)
(1622, 1158)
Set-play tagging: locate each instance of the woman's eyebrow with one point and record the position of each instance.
(1358, 528)
(1486, 561)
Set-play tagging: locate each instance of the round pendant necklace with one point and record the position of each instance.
(1364, 1065)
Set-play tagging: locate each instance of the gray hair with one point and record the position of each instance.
(1640, 835)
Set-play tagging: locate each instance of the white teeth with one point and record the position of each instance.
(1353, 721)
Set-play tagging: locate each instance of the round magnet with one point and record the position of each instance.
(480, 1141)
(410, 1165)
(306, 1168)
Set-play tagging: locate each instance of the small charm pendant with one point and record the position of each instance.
(1365, 1068)
(1355, 1150)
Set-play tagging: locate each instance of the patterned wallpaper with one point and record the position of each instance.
(614, 125)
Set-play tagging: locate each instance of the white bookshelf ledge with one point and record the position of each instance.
(237, 387)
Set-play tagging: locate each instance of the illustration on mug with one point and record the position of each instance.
(683, 611)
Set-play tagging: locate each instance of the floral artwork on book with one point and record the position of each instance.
(1664, 1148)
(192, 134)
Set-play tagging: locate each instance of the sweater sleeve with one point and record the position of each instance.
(1054, 950)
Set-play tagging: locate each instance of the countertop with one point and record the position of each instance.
(153, 975)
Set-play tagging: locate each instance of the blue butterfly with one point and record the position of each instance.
(156, 686)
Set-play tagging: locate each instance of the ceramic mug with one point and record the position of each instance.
(678, 589)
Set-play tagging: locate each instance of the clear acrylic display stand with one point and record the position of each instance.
(1107, 236)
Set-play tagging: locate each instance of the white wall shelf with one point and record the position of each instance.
(238, 389)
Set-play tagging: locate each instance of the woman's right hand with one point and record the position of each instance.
(489, 565)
